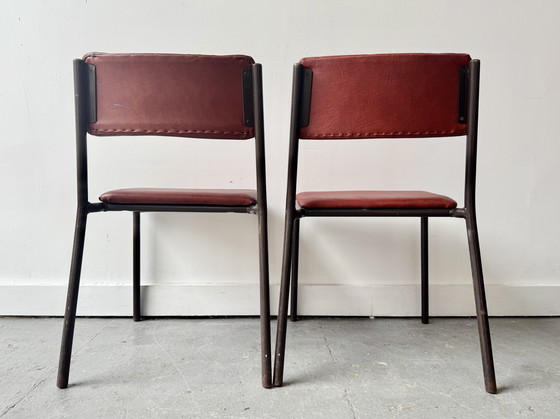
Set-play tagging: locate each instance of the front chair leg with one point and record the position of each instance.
(72, 299)
(481, 310)
(424, 270)
(136, 297)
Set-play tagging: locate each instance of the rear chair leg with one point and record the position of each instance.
(481, 310)
(282, 321)
(72, 300)
(295, 268)
(266, 367)
(136, 307)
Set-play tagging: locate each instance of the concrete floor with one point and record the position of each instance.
(335, 368)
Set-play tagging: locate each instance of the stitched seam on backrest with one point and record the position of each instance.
(385, 134)
(160, 131)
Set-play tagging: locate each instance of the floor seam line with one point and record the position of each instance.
(5, 412)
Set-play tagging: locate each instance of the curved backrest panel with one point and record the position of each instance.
(385, 96)
(169, 94)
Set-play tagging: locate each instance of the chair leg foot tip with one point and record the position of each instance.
(267, 381)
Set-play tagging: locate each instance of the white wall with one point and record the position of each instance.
(207, 264)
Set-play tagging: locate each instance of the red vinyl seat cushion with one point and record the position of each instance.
(374, 199)
(177, 196)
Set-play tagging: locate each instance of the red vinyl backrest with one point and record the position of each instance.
(385, 96)
(169, 94)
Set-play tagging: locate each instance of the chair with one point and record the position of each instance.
(383, 96)
(195, 96)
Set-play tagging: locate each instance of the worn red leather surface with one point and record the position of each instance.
(374, 199)
(169, 94)
(385, 96)
(177, 196)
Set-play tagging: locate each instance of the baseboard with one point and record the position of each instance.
(242, 300)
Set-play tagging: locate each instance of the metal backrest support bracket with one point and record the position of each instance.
(248, 107)
(463, 94)
(305, 104)
(92, 93)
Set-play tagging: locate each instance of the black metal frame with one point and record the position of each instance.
(294, 214)
(83, 103)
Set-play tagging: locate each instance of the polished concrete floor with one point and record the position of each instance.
(335, 368)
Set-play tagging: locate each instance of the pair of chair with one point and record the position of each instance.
(345, 97)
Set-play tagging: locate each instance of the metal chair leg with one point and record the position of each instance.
(295, 268)
(136, 297)
(282, 321)
(424, 270)
(72, 300)
(481, 310)
(264, 300)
